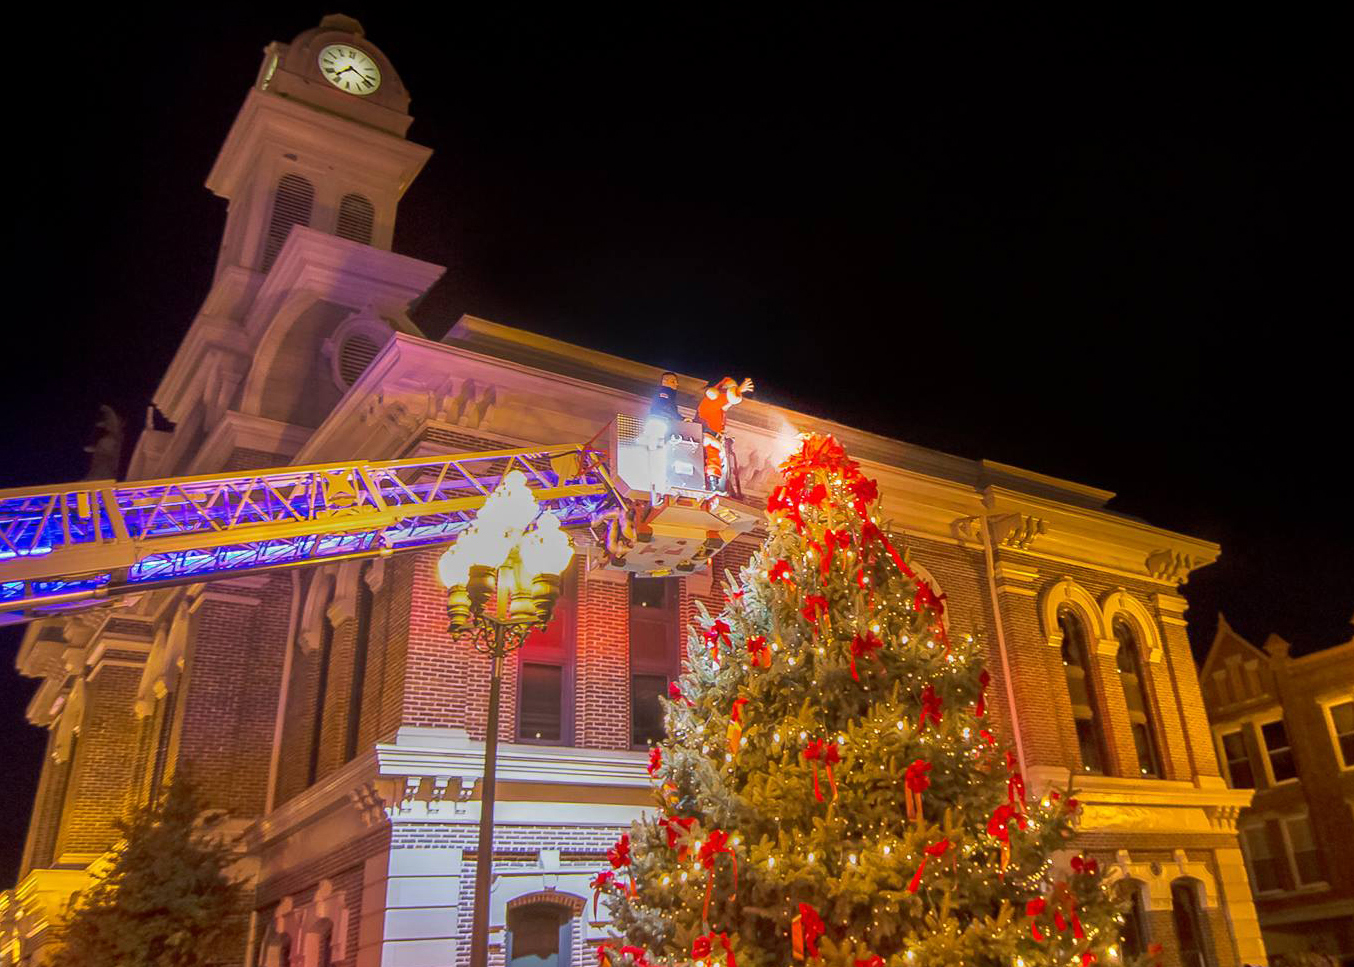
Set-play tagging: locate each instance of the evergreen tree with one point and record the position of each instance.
(166, 899)
(830, 788)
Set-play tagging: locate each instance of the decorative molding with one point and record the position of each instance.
(1171, 566)
(1122, 604)
(1170, 609)
(1069, 593)
(1016, 531)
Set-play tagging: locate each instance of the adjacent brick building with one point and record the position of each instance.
(1284, 727)
(331, 713)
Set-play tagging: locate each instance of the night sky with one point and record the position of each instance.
(1099, 251)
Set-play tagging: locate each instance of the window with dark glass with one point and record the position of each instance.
(539, 935)
(1189, 931)
(655, 656)
(1238, 760)
(1342, 721)
(326, 948)
(1085, 713)
(1262, 858)
(165, 707)
(545, 707)
(361, 649)
(1281, 761)
(1133, 935)
(1306, 859)
(326, 651)
(1129, 660)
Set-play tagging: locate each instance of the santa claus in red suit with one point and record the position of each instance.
(711, 413)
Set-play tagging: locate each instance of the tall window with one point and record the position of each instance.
(539, 935)
(1189, 924)
(293, 200)
(321, 688)
(545, 705)
(1342, 725)
(1133, 935)
(165, 707)
(1306, 859)
(1129, 660)
(1077, 666)
(355, 218)
(1262, 858)
(361, 649)
(1238, 760)
(1282, 765)
(655, 656)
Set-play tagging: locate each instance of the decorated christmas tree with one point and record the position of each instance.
(831, 789)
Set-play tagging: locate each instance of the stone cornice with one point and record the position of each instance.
(243, 430)
(266, 118)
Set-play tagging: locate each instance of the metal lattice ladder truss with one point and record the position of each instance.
(69, 545)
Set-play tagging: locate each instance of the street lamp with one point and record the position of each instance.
(498, 556)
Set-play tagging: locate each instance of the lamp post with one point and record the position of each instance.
(520, 568)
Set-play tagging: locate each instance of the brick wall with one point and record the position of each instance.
(229, 691)
(99, 780)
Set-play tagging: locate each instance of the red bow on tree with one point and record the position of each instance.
(675, 693)
(980, 708)
(930, 707)
(832, 541)
(865, 491)
(636, 954)
(988, 736)
(702, 947)
(818, 452)
(719, 631)
(935, 849)
(678, 829)
(1015, 783)
(619, 855)
(805, 929)
(815, 606)
(760, 651)
(655, 760)
(822, 749)
(998, 826)
(715, 844)
(782, 501)
(1033, 909)
(600, 882)
(1082, 865)
(916, 782)
(866, 646)
(875, 961)
(780, 571)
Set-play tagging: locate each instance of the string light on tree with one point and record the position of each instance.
(830, 635)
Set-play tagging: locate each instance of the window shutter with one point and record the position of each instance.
(354, 356)
(355, 219)
(292, 203)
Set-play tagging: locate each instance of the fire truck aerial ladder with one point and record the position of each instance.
(73, 545)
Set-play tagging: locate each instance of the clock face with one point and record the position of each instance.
(350, 69)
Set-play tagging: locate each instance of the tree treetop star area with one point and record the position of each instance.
(1042, 318)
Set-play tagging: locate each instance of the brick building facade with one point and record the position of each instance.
(331, 713)
(1284, 727)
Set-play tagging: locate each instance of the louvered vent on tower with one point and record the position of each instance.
(355, 218)
(354, 356)
(292, 203)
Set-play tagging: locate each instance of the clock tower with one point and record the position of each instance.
(320, 142)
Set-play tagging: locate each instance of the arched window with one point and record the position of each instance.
(539, 935)
(324, 947)
(1133, 934)
(293, 200)
(1129, 659)
(326, 651)
(355, 219)
(1189, 924)
(1077, 666)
